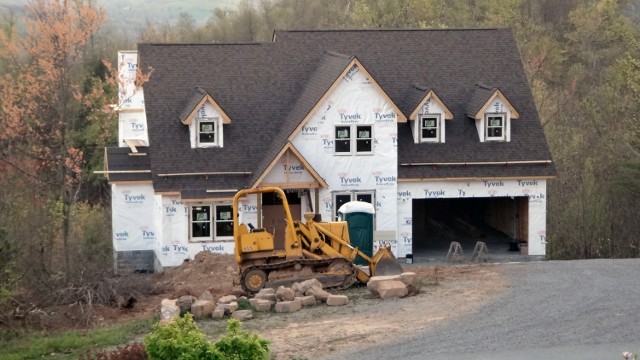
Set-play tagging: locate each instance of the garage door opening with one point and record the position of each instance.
(499, 222)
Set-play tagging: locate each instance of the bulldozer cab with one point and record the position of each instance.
(276, 239)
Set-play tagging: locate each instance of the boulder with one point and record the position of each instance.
(185, 302)
(230, 307)
(169, 309)
(207, 296)
(242, 315)
(218, 313)
(202, 308)
(305, 285)
(261, 305)
(392, 289)
(318, 293)
(408, 278)
(266, 294)
(288, 306)
(227, 299)
(375, 281)
(284, 294)
(308, 300)
(337, 300)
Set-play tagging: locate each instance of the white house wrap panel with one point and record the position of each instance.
(355, 101)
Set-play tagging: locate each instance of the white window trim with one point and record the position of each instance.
(212, 223)
(438, 137)
(504, 127)
(353, 140)
(217, 123)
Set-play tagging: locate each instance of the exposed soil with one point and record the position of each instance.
(444, 292)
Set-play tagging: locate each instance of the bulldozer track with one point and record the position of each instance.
(345, 281)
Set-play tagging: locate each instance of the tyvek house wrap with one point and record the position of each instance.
(354, 101)
(535, 190)
(132, 120)
(133, 224)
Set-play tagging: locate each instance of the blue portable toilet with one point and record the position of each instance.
(359, 218)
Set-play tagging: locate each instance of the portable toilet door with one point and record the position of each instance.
(359, 218)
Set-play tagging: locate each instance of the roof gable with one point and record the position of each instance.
(431, 94)
(401, 118)
(482, 98)
(199, 98)
(287, 155)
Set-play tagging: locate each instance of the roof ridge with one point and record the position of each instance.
(391, 30)
(337, 54)
(203, 44)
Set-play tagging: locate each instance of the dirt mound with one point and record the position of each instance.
(207, 271)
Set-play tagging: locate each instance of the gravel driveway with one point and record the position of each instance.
(587, 309)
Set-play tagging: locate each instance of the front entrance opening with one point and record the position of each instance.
(273, 216)
(501, 223)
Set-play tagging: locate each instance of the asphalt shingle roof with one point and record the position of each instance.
(267, 89)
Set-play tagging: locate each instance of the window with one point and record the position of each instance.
(205, 227)
(342, 198)
(207, 131)
(343, 139)
(363, 139)
(495, 127)
(429, 129)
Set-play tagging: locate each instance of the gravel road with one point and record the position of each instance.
(587, 309)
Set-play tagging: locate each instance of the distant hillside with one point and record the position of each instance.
(133, 13)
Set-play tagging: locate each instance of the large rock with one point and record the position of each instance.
(408, 278)
(227, 299)
(202, 308)
(169, 309)
(266, 294)
(207, 296)
(185, 302)
(337, 300)
(318, 293)
(261, 305)
(303, 286)
(288, 306)
(230, 307)
(218, 313)
(284, 294)
(392, 289)
(242, 315)
(308, 300)
(375, 281)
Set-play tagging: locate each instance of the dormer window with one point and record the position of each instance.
(495, 127)
(428, 118)
(205, 119)
(207, 131)
(430, 128)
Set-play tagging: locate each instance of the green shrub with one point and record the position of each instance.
(180, 339)
(238, 344)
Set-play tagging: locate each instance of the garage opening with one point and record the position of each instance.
(500, 222)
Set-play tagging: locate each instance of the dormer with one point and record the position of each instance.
(429, 117)
(205, 119)
(492, 113)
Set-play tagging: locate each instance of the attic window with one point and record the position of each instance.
(207, 131)
(430, 128)
(495, 127)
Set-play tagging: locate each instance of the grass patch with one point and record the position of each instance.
(69, 345)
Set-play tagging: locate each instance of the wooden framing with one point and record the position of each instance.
(131, 182)
(516, 162)
(480, 114)
(208, 200)
(207, 98)
(448, 115)
(461, 179)
(400, 116)
(290, 149)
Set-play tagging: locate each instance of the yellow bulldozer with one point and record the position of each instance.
(313, 249)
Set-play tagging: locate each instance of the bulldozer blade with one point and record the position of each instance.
(385, 264)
